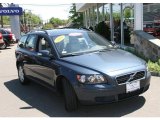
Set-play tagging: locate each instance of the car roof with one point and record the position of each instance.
(55, 32)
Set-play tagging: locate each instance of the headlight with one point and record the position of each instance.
(91, 79)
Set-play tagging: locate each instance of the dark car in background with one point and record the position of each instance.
(2, 44)
(7, 37)
(81, 65)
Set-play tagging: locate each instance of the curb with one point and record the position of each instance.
(155, 74)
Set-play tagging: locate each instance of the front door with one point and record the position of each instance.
(45, 67)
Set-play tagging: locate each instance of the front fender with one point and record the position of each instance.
(70, 71)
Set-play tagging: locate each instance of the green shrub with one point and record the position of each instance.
(103, 29)
(153, 66)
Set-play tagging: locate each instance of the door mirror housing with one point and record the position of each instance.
(21, 45)
(46, 53)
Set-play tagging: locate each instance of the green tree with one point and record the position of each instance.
(127, 13)
(29, 21)
(32, 19)
(6, 20)
(47, 26)
(76, 17)
(116, 16)
(56, 22)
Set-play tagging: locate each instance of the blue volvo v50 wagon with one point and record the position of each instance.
(81, 65)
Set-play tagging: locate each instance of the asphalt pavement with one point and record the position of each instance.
(37, 101)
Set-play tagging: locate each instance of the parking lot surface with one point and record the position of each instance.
(37, 101)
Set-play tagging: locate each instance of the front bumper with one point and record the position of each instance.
(104, 93)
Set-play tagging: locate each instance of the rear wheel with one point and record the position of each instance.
(4, 46)
(71, 103)
(22, 77)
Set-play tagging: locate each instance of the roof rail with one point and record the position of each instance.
(81, 28)
(84, 28)
(39, 30)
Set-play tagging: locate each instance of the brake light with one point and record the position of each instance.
(1, 37)
(10, 36)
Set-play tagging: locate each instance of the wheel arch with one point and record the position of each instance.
(59, 85)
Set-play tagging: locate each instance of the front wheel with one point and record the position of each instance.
(22, 77)
(71, 103)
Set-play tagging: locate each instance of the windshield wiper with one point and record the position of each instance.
(102, 50)
(68, 55)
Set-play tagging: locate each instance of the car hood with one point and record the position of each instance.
(108, 61)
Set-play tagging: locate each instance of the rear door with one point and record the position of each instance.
(29, 53)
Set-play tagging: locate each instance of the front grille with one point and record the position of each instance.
(130, 77)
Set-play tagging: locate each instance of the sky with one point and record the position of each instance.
(58, 8)
(46, 11)
(44, 8)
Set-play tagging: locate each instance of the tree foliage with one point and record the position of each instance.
(56, 22)
(76, 17)
(47, 26)
(30, 18)
(116, 16)
(6, 20)
(127, 13)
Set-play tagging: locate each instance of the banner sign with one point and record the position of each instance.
(11, 11)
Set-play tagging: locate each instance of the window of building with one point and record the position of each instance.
(151, 19)
(107, 13)
(101, 14)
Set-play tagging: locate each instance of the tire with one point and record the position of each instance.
(71, 102)
(4, 46)
(21, 75)
(6, 42)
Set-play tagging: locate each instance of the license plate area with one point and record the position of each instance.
(132, 86)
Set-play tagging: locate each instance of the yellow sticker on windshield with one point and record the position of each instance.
(59, 39)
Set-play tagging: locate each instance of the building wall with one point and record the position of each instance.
(147, 45)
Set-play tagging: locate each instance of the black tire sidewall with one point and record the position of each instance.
(71, 102)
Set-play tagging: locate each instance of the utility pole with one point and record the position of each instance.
(24, 21)
(1, 16)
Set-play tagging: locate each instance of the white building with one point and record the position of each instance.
(94, 13)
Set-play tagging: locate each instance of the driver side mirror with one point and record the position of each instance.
(45, 53)
(21, 45)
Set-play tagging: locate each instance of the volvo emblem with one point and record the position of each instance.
(131, 77)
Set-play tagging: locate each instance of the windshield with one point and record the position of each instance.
(78, 43)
